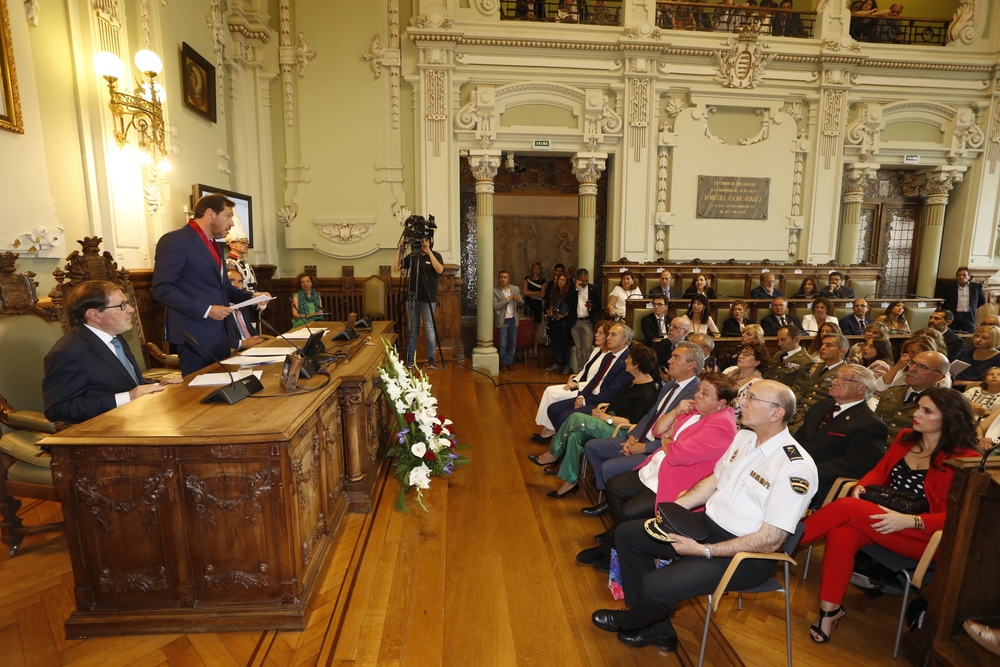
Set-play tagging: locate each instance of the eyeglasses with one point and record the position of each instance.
(120, 306)
(760, 400)
(921, 367)
(840, 378)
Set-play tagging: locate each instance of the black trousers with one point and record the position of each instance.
(629, 499)
(653, 594)
(963, 323)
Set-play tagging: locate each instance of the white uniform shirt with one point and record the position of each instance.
(772, 483)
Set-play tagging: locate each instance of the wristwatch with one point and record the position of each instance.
(611, 421)
(708, 552)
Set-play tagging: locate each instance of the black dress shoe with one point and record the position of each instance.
(534, 459)
(607, 619)
(552, 469)
(597, 510)
(569, 492)
(643, 637)
(605, 536)
(602, 565)
(588, 556)
(540, 439)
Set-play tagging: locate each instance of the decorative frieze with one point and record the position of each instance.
(864, 132)
(833, 102)
(742, 66)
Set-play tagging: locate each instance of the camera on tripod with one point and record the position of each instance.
(416, 228)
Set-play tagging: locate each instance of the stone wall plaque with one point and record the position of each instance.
(733, 197)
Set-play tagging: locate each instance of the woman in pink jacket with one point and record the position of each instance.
(693, 436)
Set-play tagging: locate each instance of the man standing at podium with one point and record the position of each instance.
(189, 278)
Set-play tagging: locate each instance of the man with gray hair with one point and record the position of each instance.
(707, 345)
(897, 404)
(841, 433)
(816, 384)
(612, 456)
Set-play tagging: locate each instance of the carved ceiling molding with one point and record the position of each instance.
(218, 28)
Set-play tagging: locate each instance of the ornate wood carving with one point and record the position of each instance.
(17, 291)
(236, 578)
(97, 504)
(226, 451)
(305, 473)
(314, 535)
(118, 453)
(134, 582)
(250, 500)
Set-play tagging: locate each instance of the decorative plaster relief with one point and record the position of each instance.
(434, 20)
(153, 196)
(285, 216)
(393, 60)
(966, 135)
(833, 103)
(643, 31)
(375, 56)
(843, 43)
(303, 54)
(743, 64)
(214, 21)
(675, 105)
(638, 105)
(765, 129)
(704, 114)
(31, 9)
(965, 22)
(993, 150)
(344, 232)
(479, 114)
(864, 132)
(488, 7)
(286, 59)
(40, 242)
(437, 107)
(794, 111)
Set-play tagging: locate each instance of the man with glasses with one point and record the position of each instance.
(753, 501)
(897, 403)
(816, 384)
(841, 433)
(654, 330)
(779, 317)
(91, 369)
(790, 364)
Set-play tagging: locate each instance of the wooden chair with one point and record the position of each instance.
(771, 585)
(27, 332)
(841, 487)
(91, 264)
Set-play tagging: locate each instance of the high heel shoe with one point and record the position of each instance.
(555, 494)
(534, 459)
(818, 627)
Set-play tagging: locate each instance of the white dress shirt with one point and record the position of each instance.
(121, 398)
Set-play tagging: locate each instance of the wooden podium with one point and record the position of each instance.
(967, 579)
(183, 517)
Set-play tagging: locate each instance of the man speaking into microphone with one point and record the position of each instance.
(189, 278)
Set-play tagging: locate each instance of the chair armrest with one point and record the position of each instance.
(627, 427)
(926, 558)
(841, 487)
(168, 360)
(601, 406)
(29, 420)
(735, 563)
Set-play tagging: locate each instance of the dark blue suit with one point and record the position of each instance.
(188, 279)
(82, 376)
(850, 327)
(561, 410)
(604, 454)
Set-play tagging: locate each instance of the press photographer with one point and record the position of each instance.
(422, 267)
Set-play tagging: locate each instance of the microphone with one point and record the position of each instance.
(237, 390)
(309, 365)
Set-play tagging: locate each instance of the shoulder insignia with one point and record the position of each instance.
(793, 453)
(799, 485)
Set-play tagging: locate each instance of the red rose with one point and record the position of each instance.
(430, 456)
(437, 429)
(410, 417)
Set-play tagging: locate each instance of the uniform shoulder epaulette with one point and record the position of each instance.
(792, 452)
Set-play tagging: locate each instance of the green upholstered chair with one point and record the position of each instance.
(732, 287)
(636, 324)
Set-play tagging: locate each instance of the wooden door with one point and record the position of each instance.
(890, 237)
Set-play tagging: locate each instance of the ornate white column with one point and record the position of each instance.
(484, 165)
(588, 167)
(638, 159)
(856, 176)
(827, 173)
(940, 181)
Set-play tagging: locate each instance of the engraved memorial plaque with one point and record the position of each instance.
(733, 197)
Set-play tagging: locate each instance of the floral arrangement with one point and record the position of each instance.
(424, 447)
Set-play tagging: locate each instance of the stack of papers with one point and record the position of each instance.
(214, 379)
(269, 351)
(257, 360)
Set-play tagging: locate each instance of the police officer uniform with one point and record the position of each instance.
(895, 410)
(235, 263)
(789, 369)
(772, 483)
(813, 388)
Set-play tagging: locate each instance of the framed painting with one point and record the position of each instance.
(198, 77)
(242, 212)
(10, 101)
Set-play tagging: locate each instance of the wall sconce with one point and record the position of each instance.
(142, 111)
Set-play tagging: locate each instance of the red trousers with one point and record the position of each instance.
(847, 528)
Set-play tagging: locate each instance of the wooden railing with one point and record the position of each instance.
(589, 12)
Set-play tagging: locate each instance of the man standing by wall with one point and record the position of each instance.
(581, 307)
(506, 298)
(964, 298)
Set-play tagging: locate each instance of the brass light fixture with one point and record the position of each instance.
(142, 111)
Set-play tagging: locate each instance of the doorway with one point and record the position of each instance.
(889, 233)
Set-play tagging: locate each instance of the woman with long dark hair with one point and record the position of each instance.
(697, 315)
(876, 356)
(534, 299)
(558, 324)
(894, 318)
(943, 428)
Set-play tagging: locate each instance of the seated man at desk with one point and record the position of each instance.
(244, 326)
(91, 370)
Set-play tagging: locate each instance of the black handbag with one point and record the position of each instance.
(903, 502)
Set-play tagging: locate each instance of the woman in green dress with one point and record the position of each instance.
(306, 305)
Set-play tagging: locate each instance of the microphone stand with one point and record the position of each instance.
(237, 389)
(309, 365)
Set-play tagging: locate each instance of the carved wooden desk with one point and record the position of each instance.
(186, 517)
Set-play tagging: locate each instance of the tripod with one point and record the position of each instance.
(413, 294)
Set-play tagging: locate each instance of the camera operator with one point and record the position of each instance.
(423, 268)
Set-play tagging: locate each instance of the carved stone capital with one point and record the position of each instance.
(587, 167)
(484, 164)
(856, 176)
(939, 182)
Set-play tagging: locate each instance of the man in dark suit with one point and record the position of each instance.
(963, 298)
(606, 383)
(91, 369)
(841, 433)
(582, 314)
(664, 289)
(854, 324)
(836, 289)
(766, 289)
(941, 320)
(778, 318)
(189, 278)
(612, 456)
(655, 330)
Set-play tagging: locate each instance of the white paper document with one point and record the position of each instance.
(263, 298)
(272, 351)
(213, 379)
(302, 334)
(243, 360)
(957, 367)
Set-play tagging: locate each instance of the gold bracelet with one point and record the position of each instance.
(918, 523)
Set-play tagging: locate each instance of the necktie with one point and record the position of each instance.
(659, 411)
(912, 398)
(122, 358)
(829, 415)
(666, 294)
(781, 320)
(662, 330)
(241, 325)
(592, 385)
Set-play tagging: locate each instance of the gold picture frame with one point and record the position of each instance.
(10, 101)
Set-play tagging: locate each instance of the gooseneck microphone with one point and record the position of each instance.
(309, 365)
(237, 390)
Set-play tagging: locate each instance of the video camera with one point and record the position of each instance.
(416, 228)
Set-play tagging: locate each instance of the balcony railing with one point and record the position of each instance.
(900, 30)
(589, 12)
(706, 17)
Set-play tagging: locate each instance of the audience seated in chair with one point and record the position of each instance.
(836, 288)
(790, 364)
(940, 320)
(815, 386)
(766, 289)
(855, 323)
(822, 312)
(778, 318)
(897, 403)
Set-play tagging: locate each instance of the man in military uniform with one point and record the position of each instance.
(753, 501)
(816, 384)
(897, 403)
(791, 363)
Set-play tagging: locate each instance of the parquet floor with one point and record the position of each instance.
(486, 577)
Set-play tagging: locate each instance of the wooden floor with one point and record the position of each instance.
(486, 577)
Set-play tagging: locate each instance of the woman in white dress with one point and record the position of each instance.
(821, 312)
(697, 315)
(560, 392)
(625, 290)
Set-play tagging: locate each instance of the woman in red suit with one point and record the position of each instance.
(943, 428)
